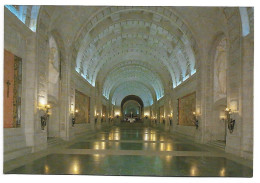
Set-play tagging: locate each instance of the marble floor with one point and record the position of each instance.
(136, 150)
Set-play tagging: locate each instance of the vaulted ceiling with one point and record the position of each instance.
(142, 51)
(135, 50)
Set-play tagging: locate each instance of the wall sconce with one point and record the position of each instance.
(117, 114)
(170, 119)
(96, 117)
(109, 118)
(196, 121)
(45, 116)
(102, 119)
(231, 122)
(163, 118)
(73, 120)
(222, 118)
(154, 119)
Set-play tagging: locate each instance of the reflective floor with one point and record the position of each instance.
(135, 150)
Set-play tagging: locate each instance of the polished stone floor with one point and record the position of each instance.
(136, 150)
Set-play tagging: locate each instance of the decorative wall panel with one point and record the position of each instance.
(161, 111)
(186, 106)
(17, 91)
(12, 90)
(82, 104)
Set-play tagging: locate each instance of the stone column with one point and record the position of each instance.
(247, 96)
(30, 105)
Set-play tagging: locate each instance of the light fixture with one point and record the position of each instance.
(117, 114)
(109, 118)
(170, 119)
(72, 108)
(146, 115)
(231, 122)
(102, 119)
(196, 121)
(154, 119)
(163, 119)
(45, 116)
(96, 117)
(73, 120)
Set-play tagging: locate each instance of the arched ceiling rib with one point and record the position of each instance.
(132, 98)
(148, 35)
(130, 102)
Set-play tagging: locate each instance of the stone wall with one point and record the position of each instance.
(186, 88)
(186, 107)
(20, 41)
(82, 104)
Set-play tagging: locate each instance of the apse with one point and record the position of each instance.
(131, 108)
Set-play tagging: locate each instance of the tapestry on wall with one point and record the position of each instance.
(186, 106)
(82, 104)
(12, 90)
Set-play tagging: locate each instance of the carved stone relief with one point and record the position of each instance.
(220, 70)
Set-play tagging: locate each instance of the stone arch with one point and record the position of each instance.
(216, 105)
(63, 105)
(43, 32)
(131, 107)
(234, 34)
(134, 98)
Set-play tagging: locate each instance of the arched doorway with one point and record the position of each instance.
(132, 107)
(220, 89)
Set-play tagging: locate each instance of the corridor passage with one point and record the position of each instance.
(134, 149)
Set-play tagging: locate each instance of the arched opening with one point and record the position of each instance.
(132, 107)
(220, 89)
